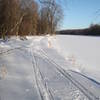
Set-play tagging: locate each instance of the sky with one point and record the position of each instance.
(80, 13)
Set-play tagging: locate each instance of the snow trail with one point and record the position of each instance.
(44, 92)
(34, 74)
(83, 89)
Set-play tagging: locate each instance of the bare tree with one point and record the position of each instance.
(51, 14)
(23, 17)
(9, 16)
(28, 25)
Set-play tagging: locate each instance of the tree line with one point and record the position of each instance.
(92, 30)
(29, 17)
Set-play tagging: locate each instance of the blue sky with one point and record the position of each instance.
(80, 13)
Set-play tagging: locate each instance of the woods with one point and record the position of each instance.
(92, 30)
(29, 17)
(9, 16)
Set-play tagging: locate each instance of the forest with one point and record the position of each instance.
(29, 17)
(93, 30)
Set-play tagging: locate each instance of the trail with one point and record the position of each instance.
(65, 73)
(32, 74)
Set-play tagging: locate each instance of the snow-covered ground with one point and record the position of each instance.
(82, 51)
(50, 68)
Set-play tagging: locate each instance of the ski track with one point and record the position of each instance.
(42, 86)
(39, 84)
(44, 92)
(82, 88)
(10, 50)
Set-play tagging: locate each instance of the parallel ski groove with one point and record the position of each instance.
(40, 82)
(83, 89)
(10, 50)
(44, 92)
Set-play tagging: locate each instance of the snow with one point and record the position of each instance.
(50, 68)
(82, 51)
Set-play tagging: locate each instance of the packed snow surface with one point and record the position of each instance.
(50, 68)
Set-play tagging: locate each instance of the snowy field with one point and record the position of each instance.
(50, 68)
(82, 51)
